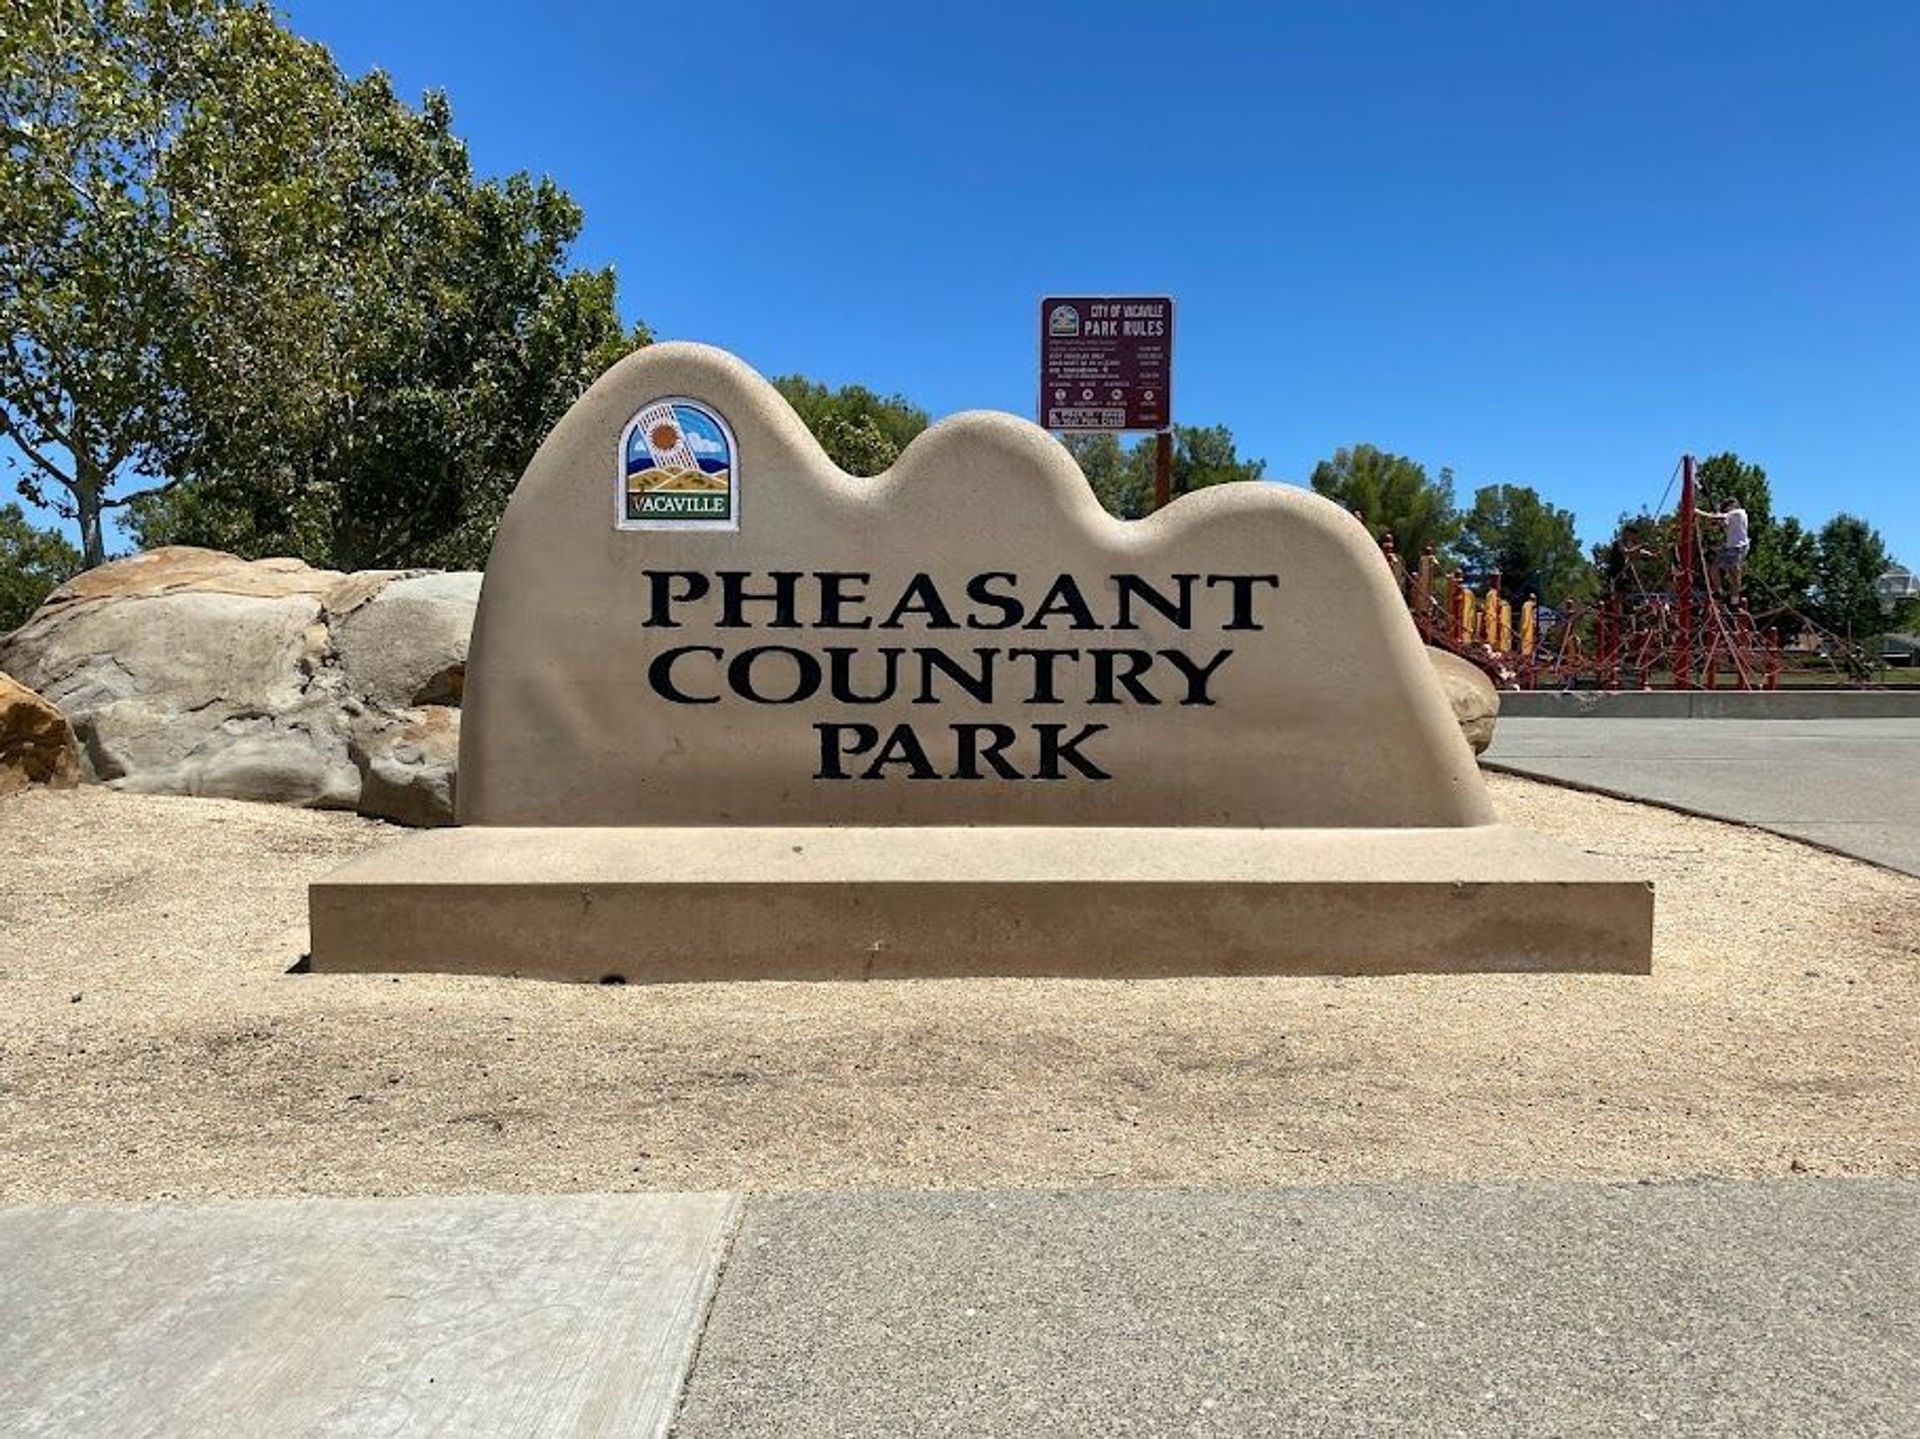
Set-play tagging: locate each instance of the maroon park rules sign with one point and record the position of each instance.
(1106, 362)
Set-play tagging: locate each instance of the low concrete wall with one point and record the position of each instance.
(656, 905)
(1710, 704)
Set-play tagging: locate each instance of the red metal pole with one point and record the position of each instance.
(1683, 646)
(1162, 470)
(1745, 642)
(1612, 642)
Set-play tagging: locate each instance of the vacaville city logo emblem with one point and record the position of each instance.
(678, 469)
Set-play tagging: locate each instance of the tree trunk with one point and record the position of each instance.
(86, 503)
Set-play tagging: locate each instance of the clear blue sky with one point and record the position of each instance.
(1550, 244)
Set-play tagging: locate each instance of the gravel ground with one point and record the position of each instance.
(152, 1044)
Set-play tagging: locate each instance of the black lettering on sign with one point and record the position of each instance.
(972, 753)
(1053, 749)
(662, 598)
(966, 746)
(840, 679)
(1122, 667)
(834, 599)
(1242, 589)
(930, 674)
(921, 597)
(1178, 610)
(1196, 676)
(660, 674)
(902, 747)
(982, 592)
(746, 674)
(1064, 599)
(735, 597)
(977, 682)
(842, 741)
(1043, 690)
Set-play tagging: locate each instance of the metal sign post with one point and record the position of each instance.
(1106, 367)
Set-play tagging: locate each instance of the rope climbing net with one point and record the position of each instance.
(1667, 618)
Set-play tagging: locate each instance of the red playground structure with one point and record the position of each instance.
(1659, 623)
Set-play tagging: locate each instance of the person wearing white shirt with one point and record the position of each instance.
(1727, 562)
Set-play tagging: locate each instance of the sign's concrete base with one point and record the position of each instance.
(651, 905)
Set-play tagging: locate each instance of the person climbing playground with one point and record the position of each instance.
(1727, 562)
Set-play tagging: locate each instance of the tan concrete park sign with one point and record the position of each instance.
(730, 711)
(967, 639)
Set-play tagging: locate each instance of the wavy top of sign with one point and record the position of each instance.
(691, 616)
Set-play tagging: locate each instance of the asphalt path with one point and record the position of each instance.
(1716, 1308)
(1852, 784)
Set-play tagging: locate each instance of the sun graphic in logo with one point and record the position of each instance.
(676, 468)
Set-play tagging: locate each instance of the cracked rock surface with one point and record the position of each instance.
(193, 672)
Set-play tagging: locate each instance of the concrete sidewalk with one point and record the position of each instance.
(1751, 1308)
(574, 1314)
(1852, 785)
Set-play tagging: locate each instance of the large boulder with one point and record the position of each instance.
(407, 767)
(407, 645)
(1476, 703)
(189, 671)
(36, 742)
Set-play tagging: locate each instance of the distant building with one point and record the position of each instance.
(1897, 585)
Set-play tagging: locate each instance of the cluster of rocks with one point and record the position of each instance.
(189, 671)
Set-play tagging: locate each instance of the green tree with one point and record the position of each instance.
(1849, 560)
(861, 431)
(431, 334)
(93, 248)
(1639, 558)
(1122, 477)
(276, 296)
(1203, 456)
(1393, 494)
(33, 563)
(1780, 586)
(1108, 466)
(1529, 543)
